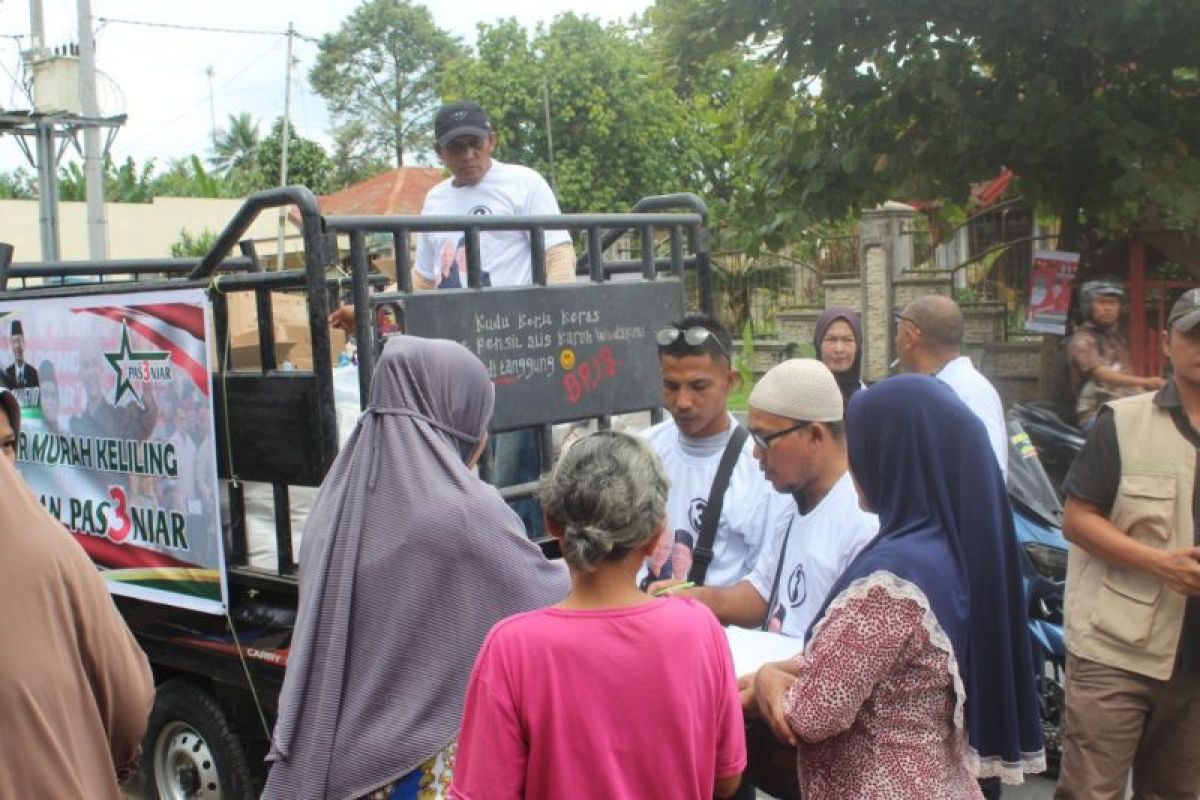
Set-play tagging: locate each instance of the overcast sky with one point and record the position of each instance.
(158, 77)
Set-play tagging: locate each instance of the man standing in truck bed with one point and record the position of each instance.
(484, 186)
(480, 185)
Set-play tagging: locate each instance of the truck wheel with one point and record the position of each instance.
(190, 752)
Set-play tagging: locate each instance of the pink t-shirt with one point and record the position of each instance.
(608, 704)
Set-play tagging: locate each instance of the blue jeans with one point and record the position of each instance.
(516, 459)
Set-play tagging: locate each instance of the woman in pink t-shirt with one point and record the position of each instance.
(611, 694)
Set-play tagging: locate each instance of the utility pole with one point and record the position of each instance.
(212, 110)
(93, 161)
(46, 157)
(287, 124)
(549, 131)
(37, 29)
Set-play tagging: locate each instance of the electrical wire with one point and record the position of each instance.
(204, 100)
(204, 28)
(18, 83)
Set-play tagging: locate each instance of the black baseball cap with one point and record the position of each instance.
(464, 118)
(1185, 314)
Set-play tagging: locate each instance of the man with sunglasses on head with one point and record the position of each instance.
(697, 378)
(929, 336)
(798, 439)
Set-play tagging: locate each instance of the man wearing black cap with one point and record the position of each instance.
(19, 375)
(1133, 588)
(481, 185)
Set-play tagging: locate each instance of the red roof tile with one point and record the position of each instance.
(397, 191)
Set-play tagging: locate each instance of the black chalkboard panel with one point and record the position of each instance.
(555, 353)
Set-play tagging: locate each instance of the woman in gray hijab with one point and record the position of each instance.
(407, 560)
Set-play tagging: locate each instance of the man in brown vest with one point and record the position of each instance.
(1133, 589)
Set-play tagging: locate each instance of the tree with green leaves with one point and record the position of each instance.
(234, 146)
(354, 160)
(193, 246)
(620, 132)
(1095, 105)
(18, 185)
(379, 71)
(124, 184)
(186, 177)
(308, 163)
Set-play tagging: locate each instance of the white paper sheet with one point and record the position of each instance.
(753, 648)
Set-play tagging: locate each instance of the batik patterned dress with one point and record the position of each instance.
(878, 701)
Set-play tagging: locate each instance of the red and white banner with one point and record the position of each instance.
(117, 435)
(1050, 291)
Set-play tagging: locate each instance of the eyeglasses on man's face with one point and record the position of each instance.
(464, 143)
(763, 440)
(897, 317)
(693, 337)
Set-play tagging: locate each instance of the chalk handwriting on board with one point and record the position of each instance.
(555, 353)
(588, 375)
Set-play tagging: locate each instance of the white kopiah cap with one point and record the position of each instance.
(799, 388)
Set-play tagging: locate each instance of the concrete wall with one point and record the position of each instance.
(135, 230)
(884, 287)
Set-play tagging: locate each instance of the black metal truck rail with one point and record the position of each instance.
(280, 427)
(684, 234)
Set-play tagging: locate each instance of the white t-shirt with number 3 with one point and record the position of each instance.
(506, 190)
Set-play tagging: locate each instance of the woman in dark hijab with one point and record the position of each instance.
(917, 677)
(407, 560)
(837, 339)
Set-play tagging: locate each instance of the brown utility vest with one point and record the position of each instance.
(1120, 616)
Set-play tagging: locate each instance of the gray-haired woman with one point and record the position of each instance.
(642, 687)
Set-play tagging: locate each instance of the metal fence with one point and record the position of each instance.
(754, 290)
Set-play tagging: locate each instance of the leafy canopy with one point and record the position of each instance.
(620, 132)
(1094, 104)
(308, 163)
(378, 74)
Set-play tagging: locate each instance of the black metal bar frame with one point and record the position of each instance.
(224, 273)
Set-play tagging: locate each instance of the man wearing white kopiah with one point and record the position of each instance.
(697, 377)
(799, 439)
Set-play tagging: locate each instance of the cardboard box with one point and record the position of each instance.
(293, 342)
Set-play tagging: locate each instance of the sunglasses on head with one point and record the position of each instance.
(693, 337)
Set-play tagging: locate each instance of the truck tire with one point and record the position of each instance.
(190, 752)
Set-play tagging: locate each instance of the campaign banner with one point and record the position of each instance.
(1050, 291)
(117, 435)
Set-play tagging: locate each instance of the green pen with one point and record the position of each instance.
(679, 587)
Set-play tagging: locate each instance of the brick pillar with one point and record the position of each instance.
(882, 250)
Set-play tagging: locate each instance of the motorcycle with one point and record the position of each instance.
(1057, 442)
(1037, 519)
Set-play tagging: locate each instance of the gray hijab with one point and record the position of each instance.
(407, 561)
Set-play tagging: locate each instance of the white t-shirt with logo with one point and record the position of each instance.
(750, 515)
(505, 190)
(820, 545)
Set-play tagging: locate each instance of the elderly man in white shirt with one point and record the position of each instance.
(929, 333)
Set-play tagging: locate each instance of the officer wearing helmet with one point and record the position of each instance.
(1098, 354)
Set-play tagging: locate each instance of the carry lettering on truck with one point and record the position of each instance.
(186, 478)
